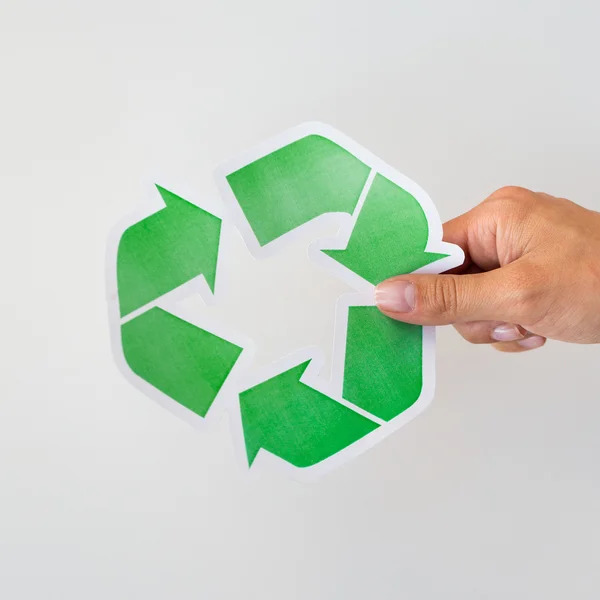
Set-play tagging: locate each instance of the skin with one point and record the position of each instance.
(532, 272)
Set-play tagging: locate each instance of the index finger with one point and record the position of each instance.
(456, 232)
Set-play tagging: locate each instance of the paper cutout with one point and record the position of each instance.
(286, 416)
(383, 367)
(296, 422)
(185, 362)
(393, 222)
(166, 250)
(291, 186)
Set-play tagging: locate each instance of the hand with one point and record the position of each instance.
(531, 272)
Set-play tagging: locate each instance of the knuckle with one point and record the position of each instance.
(513, 199)
(510, 191)
(441, 299)
(527, 293)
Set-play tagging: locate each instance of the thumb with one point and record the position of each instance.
(447, 299)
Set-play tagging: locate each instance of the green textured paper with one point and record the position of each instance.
(166, 250)
(297, 183)
(296, 422)
(183, 361)
(389, 237)
(277, 193)
(383, 372)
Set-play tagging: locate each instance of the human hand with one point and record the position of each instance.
(531, 272)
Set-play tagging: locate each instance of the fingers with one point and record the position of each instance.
(447, 299)
(489, 332)
(492, 231)
(505, 337)
(456, 231)
(530, 343)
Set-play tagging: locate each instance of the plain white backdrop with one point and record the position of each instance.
(492, 493)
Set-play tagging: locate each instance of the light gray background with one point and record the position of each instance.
(493, 493)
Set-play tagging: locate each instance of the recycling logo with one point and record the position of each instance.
(288, 416)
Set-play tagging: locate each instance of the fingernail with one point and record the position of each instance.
(506, 333)
(395, 296)
(535, 341)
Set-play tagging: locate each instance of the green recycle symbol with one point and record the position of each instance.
(383, 370)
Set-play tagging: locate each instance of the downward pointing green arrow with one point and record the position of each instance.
(296, 422)
(389, 237)
(293, 185)
(165, 250)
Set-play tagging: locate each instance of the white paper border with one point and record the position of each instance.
(169, 302)
(239, 378)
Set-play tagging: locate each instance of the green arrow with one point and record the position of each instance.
(183, 361)
(389, 237)
(383, 369)
(165, 250)
(296, 422)
(293, 185)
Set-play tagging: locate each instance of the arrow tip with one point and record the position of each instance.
(260, 407)
(172, 200)
(375, 270)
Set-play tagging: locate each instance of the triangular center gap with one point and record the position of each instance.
(283, 302)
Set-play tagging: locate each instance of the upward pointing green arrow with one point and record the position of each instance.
(291, 186)
(296, 422)
(165, 250)
(389, 237)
